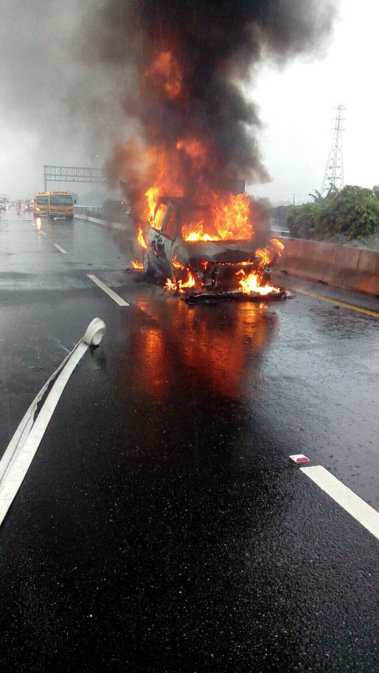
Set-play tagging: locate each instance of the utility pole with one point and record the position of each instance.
(333, 176)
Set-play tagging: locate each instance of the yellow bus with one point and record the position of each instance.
(54, 204)
(41, 204)
(61, 204)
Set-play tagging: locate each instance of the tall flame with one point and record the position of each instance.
(183, 166)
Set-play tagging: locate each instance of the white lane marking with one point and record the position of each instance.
(345, 497)
(119, 300)
(26, 440)
(58, 247)
(43, 233)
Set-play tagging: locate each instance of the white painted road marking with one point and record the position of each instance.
(26, 440)
(119, 300)
(58, 247)
(350, 501)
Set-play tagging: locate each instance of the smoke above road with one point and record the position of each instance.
(95, 73)
(185, 63)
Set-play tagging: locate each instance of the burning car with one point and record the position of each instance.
(186, 248)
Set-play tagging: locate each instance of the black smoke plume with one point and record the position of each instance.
(214, 46)
(71, 75)
(72, 71)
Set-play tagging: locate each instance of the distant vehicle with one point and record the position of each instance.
(54, 204)
(4, 203)
(115, 209)
(41, 204)
(61, 204)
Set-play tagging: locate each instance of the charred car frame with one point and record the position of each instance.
(214, 263)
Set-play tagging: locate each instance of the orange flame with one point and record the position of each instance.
(138, 266)
(181, 285)
(270, 253)
(253, 283)
(177, 264)
(140, 237)
(227, 217)
(278, 244)
(198, 234)
(182, 165)
(233, 217)
(191, 282)
(152, 196)
(264, 256)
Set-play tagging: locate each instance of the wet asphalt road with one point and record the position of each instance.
(161, 526)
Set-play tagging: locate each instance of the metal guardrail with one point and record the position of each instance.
(88, 210)
(100, 211)
(282, 233)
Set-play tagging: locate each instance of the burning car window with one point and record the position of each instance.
(196, 224)
(158, 216)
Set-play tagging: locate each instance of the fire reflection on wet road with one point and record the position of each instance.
(202, 349)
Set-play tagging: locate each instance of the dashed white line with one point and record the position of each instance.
(119, 300)
(345, 497)
(58, 247)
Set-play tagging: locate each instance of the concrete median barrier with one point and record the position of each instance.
(337, 265)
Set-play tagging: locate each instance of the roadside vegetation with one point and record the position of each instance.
(351, 214)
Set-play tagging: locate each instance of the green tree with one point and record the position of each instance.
(353, 212)
(279, 214)
(303, 221)
(324, 200)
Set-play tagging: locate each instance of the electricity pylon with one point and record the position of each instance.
(333, 176)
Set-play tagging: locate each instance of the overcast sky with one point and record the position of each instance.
(297, 105)
(298, 109)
